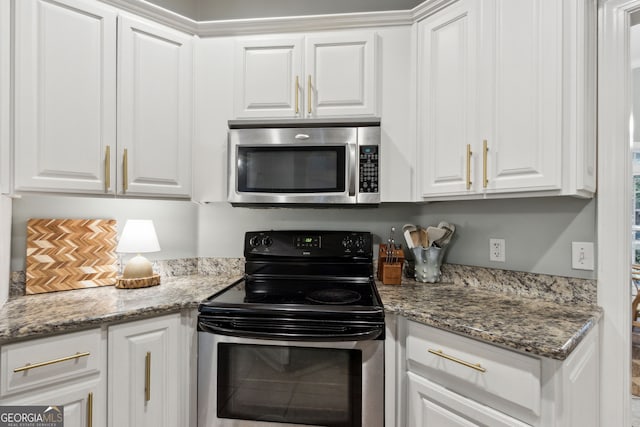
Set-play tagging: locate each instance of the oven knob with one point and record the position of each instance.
(254, 241)
(347, 243)
(267, 241)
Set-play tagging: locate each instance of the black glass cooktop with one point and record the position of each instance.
(296, 294)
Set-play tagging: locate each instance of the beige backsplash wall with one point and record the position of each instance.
(538, 231)
(175, 221)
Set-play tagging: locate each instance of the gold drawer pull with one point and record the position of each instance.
(477, 366)
(107, 169)
(297, 95)
(50, 362)
(485, 150)
(125, 171)
(90, 410)
(147, 377)
(469, 153)
(309, 88)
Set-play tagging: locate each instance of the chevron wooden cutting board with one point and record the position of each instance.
(64, 254)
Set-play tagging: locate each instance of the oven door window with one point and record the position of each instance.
(299, 385)
(292, 169)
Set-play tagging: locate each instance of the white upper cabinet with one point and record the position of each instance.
(269, 77)
(340, 75)
(503, 93)
(306, 77)
(5, 97)
(65, 95)
(447, 82)
(521, 95)
(155, 66)
(70, 77)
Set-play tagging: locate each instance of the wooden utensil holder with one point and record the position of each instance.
(390, 270)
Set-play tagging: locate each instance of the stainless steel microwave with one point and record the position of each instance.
(306, 165)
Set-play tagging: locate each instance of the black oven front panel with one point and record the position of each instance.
(295, 385)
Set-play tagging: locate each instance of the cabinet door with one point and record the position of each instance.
(341, 75)
(65, 62)
(84, 403)
(522, 94)
(144, 366)
(447, 84)
(155, 67)
(269, 80)
(431, 405)
(5, 97)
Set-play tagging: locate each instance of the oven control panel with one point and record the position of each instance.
(298, 243)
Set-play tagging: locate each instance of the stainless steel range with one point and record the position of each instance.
(300, 340)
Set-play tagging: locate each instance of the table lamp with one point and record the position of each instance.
(138, 236)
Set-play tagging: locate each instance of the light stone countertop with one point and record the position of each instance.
(536, 326)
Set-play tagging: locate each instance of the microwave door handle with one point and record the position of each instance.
(352, 161)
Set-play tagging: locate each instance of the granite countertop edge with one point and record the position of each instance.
(24, 317)
(524, 324)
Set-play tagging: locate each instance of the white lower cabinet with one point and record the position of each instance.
(151, 376)
(84, 404)
(64, 370)
(145, 370)
(432, 405)
(451, 380)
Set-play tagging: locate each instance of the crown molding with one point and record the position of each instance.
(308, 23)
(156, 13)
(429, 7)
(255, 26)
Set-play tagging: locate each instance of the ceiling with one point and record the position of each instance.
(214, 10)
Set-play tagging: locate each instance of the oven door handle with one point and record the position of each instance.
(369, 334)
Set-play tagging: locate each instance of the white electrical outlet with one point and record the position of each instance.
(582, 255)
(497, 250)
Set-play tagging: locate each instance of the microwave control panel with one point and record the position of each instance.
(368, 169)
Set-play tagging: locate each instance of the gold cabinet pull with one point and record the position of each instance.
(297, 86)
(90, 410)
(469, 153)
(309, 94)
(125, 171)
(107, 169)
(485, 150)
(147, 377)
(477, 366)
(50, 362)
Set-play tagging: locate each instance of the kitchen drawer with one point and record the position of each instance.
(54, 354)
(508, 379)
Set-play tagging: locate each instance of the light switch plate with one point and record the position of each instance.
(582, 255)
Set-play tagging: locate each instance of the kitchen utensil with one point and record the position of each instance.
(407, 229)
(407, 239)
(424, 238)
(415, 238)
(435, 233)
(390, 245)
(444, 240)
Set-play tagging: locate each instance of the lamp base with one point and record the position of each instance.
(138, 282)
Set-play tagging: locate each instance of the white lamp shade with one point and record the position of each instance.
(138, 236)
